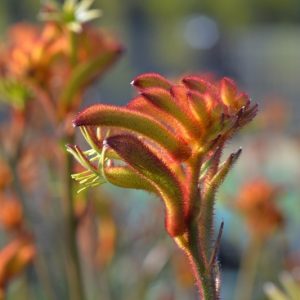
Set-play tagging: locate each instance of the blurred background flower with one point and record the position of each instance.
(256, 201)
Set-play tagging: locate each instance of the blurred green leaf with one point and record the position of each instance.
(14, 92)
(85, 73)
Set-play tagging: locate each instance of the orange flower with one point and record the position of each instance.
(11, 213)
(256, 202)
(14, 258)
(42, 56)
(30, 52)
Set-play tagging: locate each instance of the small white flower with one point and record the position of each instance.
(72, 13)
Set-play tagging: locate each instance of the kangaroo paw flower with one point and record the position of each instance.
(168, 140)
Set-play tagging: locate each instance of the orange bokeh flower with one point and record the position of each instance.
(107, 236)
(30, 52)
(257, 203)
(47, 57)
(11, 213)
(14, 258)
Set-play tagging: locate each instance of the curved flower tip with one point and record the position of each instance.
(133, 121)
(202, 110)
(151, 80)
(197, 83)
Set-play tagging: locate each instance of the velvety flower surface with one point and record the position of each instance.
(167, 140)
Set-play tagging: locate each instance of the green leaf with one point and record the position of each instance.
(221, 174)
(273, 292)
(107, 115)
(291, 286)
(14, 92)
(85, 72)
(208, 199)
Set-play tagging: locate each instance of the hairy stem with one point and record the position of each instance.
(203, 275)
(196, 247)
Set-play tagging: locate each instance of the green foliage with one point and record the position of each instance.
(85, 72)
(14, 92)
(290, 291)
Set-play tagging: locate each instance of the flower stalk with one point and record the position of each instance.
(73, 263)
(247, 271)
(170, 138)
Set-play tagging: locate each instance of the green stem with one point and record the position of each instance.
(206, 218)
(74, 268)
(247, 272)
(196, 247)
(41, 273)
(204, 275)
(73, 47)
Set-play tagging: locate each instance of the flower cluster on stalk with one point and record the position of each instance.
(55, 59)
(168, 140)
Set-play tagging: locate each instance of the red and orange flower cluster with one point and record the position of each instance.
(171, 136)
(52, 61)
(42, 67)
(169, 140)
